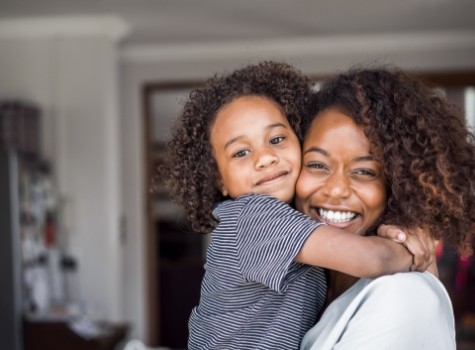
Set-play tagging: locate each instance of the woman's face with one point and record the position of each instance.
(340, 183)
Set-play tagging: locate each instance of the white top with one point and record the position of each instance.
(402, 311)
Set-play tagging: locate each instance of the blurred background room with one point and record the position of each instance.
(89, 256)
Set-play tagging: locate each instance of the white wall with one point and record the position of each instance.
(88, 166)
(470, 107)
(72, 75)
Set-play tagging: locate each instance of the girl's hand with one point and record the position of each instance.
(418, 242)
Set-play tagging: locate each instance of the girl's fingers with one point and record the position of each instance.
(418, 242)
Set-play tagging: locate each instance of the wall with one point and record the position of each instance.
(69, 68)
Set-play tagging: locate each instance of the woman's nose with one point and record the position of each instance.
(266, 157)
(337, 185)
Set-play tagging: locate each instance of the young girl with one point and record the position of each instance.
(235, 144)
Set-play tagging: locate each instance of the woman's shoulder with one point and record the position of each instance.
(404, 291)
(402, 311)
(406, 281)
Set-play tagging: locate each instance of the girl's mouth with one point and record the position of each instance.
(272, 178)
(335, 216)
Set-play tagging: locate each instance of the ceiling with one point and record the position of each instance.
(186, 21)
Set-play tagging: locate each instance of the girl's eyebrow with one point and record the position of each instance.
(234, 139)
(271, 126)
(368, 158)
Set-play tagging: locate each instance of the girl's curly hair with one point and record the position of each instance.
(189, 171)
(426, 151)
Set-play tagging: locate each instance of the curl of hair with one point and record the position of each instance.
(189, 171)
(426, 151)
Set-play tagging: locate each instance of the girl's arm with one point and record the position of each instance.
(359, 256)
(418, 241)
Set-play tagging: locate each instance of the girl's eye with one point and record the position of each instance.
(277, 140)
(241, 153)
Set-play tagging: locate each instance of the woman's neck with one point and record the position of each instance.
(338, 283)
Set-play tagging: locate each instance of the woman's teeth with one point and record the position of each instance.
(336, 216)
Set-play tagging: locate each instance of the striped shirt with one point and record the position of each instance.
(253, 294)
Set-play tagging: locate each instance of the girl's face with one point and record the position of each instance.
(340, 183)
(256, 149)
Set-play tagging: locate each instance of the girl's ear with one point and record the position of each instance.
(221, 186)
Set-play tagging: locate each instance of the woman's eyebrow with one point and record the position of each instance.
(368, 158)
(276, 125)
(317, 150)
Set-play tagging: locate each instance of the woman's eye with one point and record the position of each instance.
(241, 153)
(277, 140)
(316, 166)
(365, 172)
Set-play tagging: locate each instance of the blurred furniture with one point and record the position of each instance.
(57, 335)
(10, 254)
(138, 345)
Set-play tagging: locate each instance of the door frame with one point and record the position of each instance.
(151, 241)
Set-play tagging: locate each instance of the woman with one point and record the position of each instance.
(381, 146)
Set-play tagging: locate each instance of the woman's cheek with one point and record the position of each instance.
(303, 190)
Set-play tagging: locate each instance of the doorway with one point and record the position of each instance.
(175, 254)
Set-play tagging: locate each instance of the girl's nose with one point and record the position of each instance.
(337, 185)
(266, 158)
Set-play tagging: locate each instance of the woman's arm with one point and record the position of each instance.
(359, 256)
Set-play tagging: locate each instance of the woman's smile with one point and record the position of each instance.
(346, 219)
(336, 216)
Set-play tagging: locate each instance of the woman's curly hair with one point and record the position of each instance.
(426, 151)
(189, 172)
